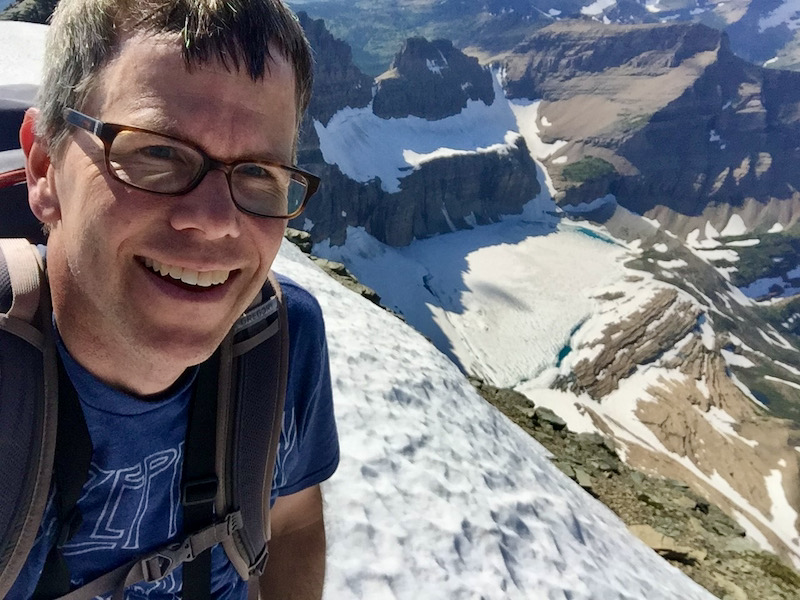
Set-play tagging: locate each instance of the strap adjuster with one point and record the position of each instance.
(199, 491)
(162, 563)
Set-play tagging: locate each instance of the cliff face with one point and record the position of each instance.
(337, 81)
(431, 80)
(684, 126)
(443, 195)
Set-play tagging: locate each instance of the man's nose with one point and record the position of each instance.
(208, 208)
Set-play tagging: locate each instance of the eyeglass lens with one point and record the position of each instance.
(164, 165)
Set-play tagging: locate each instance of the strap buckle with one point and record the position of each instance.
(162, 562)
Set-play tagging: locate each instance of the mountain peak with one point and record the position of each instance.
(432, 80)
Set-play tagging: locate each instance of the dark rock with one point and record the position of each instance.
(442, 195)
(431, 80)
(301, 239)
(337, 81)
(583, 479)
(545, 415)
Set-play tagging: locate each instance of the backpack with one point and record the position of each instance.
(243, 388)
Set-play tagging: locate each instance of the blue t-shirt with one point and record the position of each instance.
(131, 500)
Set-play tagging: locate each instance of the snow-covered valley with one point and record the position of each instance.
(440, 496)
(529, 301)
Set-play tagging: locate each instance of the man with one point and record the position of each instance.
(157, 162)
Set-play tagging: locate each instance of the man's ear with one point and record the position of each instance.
(39, 173)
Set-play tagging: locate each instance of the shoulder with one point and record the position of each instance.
(302, 308)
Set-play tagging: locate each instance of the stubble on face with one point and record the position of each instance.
(131, 327)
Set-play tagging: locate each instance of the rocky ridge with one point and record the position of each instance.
(440, 195)
(684, 527)
(431, 80)
(666, 119)
(673, 361)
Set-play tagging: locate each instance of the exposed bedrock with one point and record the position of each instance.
(442, 195)
(679, 120)
(431, 80)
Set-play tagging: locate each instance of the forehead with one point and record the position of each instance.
(149, 85)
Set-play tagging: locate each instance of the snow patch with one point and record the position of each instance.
(744, 243)
(776, 228)
(737, 360)
(783, 381)
(597, 8)
(724, 423)
(366, 147)
(734, 227)
(672, 264)
(789, 368)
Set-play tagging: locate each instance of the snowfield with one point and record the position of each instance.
(366, 147)
(440, 496)
(502, 300)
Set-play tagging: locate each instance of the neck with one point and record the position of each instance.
(125, 371)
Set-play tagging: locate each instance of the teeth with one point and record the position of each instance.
(198, 278)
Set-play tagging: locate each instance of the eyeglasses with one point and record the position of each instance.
(166, 165)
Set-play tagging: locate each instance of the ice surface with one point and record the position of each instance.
(502, 299)
(366, 146)
(439, 496)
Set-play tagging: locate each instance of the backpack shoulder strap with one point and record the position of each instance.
(249, 424)
(28, 403)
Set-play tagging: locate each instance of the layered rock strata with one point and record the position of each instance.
(691, 132)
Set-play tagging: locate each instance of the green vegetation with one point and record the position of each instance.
(629, 123)
(773, 256)
(587, 169)
(780, 398)
(784, 316)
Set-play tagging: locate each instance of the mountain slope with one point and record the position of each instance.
(673, 124)
(439, 496)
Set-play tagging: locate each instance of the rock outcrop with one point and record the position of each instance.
(682, 525)
(690, 132)
(441, 195)
(337, 81)
(637, 339)
(687, 416)
(431, 80)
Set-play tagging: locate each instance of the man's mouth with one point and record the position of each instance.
(187, 276)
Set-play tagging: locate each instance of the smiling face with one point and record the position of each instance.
(145, 285)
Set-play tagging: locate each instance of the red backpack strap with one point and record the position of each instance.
(10, 178)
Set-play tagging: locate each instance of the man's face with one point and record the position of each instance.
(108, 238)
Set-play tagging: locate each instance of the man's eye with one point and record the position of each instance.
(162, 152)
(254, 170)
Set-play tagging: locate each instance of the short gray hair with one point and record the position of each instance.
(86, 34)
